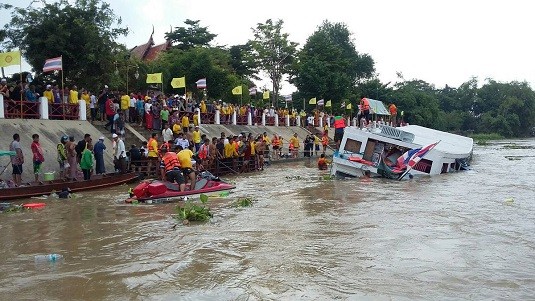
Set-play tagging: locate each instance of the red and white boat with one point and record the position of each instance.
(162, 191)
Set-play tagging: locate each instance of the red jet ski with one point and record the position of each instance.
(163, 191)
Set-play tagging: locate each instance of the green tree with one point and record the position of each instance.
(243, 62)
(274, 52)
(83, 32)
(329, 65)
(193, 35)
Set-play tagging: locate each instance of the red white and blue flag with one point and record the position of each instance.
(413, 156)
(252, 91)
(201, 83)
(53, 64)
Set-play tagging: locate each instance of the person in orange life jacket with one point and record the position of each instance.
(322, 162)
(339, 126)
(275, 146)
(393, 114)
(170, 167)
(204, 152)
(365, 108)
(324, 141)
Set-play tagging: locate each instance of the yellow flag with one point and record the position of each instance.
(265, 95)
(178, 82)
(9, 58)
(312, 101)
(328, 104)
(154, 78)
(349, 107)
(237, 90)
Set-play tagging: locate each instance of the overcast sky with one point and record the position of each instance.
(441, 42)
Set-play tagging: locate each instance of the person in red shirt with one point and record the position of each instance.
(110, 112)
(393, 114)
(38, 157)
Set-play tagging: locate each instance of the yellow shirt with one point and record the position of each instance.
(230, 151)
(184, 156)
(295, 142)
(125, 102)
(153, 148)
(185, 121)
(195, 119)
(267, 140)
(176, 128)
(203, 107)
(73, 97)
(49, 95)
(253, 145)
(86, 98)
(196, 136)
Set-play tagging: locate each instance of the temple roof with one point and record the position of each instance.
(148, 52)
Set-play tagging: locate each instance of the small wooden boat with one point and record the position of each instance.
(47, 187)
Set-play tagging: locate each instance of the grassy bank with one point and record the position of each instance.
(482, 139)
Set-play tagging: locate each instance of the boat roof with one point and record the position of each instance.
(377, 107)
(449, 143)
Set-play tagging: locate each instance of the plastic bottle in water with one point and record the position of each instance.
(48, 258)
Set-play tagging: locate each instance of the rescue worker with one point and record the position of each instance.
(170, 167)
(339, 126)
(365, 108)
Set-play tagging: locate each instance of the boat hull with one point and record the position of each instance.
(47, 187)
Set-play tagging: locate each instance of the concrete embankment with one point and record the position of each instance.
(50, 132)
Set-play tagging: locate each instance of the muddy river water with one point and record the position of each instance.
(468, 235)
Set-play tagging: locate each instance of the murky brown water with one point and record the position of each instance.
(450, 237)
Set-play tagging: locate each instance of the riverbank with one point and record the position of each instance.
(50, 132)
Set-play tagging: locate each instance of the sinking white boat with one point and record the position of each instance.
(400, 152)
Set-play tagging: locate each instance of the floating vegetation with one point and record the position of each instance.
(326, 177)
(516, 146)
(482, 142)
(244, 202)
(192, 211)
(293, 177)
(486, 137)
(12, 208)
(513, 158)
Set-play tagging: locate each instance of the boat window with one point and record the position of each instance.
(352, 146)
(368, 152)
(444, 168)
(424, 166)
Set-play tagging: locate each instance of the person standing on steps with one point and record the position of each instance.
(120, 154)
(16, 160)
(98, 150)
(38, 156)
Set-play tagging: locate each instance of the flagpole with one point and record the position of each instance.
(62, 87)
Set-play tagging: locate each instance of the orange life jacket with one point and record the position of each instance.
(170, 161)
(203, 152)
(365, 104)
(324, 140)
(275, 142)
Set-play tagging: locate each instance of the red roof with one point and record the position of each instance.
(147, 52)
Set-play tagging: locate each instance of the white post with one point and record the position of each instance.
(43, 107)
(217, 119)
(264, 119)
(354, 122)
(287, 120)
(82, 109)
(249, 118)
(348, 121)
(2, 115)
(298, 120)
(234, 121)
(199, 116)
(321, 122)
(276, 119)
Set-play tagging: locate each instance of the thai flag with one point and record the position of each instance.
(321, 102)
(403, 160)
(415, 158)
(252, 91)
(201, 83)
(53, 64)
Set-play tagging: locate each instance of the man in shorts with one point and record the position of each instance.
(16, 160)
(184, 156)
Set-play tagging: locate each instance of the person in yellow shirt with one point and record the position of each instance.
(203, 107)
(317, 141)
(49, 94)
(86, 97)
(184, 157)
(196, 134)
(73, 95)
(176, 128)
(185, 121)
(230, 150)
(294, 141)
(196, 118)
(125, 104)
